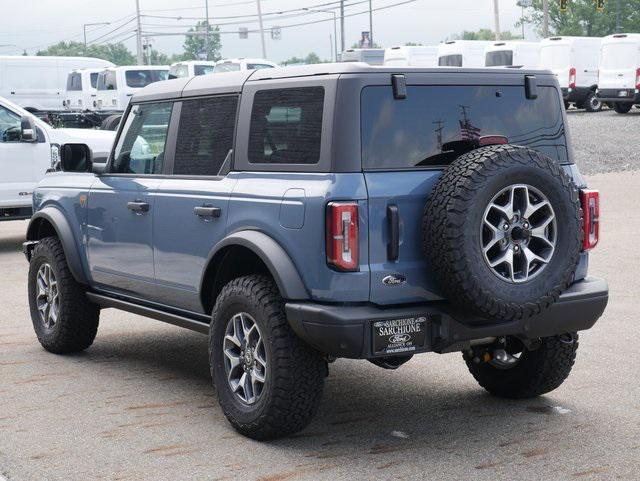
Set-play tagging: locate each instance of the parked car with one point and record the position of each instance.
(619, 75)
(191, 68)
(405, 56)
(372, 56)
(513, 54)
(117, 85)
(81, 89)
(28, 148)
(236, 64)
(303, 214)
(575, 61)
(38, 83)
(462, 53)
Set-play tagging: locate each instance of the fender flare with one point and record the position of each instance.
(63, 230)
(278, 262)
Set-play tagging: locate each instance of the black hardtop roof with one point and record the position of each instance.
(232, 82)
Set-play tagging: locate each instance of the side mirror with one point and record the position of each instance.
(76, 158)
(28, 131)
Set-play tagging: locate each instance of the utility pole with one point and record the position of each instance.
(618, 17)
(206, 38)
(496, 18)
(341, 25)
(139, 56)
(371, 24)
(545, 18)
(335, 28)
(264, 47)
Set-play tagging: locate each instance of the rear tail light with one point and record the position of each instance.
(591, 218)
(638, 78)
(572, 78)
(342, 235)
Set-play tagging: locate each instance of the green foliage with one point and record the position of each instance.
(582, 18)
(195, 44)
(309, 59)
(413, 44)
(484, 34)
(357, 45)
(113, 52)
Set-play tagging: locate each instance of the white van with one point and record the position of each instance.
(574, 60)
(513, 53)
(235, 64)
(81, 89)
(38, 83)
(191, 68)
(619, 79)
(372, 56)
(462, 53)
(117, 85)
(411, 56)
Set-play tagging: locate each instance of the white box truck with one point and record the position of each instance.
(38, 83)
(411, 56)
(619, 78)
(372, 56)
(512, 54)
(81, 89)
(574, 60)
(462, 53)
(191, 68)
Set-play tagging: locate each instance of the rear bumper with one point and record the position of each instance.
(612, 95)
(15, 213)
(575, 95)
(346, 331)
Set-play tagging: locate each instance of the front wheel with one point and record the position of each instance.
(515, 372)
(622, 107)
(269, 382)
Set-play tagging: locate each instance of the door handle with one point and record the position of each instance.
(393, 219)
(207, 211)
(138, 207)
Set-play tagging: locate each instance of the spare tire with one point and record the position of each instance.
(111, 122)
(502, 232)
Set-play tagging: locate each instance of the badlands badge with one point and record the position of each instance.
(397, 336)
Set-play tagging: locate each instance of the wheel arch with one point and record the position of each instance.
(50, 221)
(257, 253)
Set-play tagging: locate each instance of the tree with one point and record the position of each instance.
(113, 52)
(309, 59)
(582, 18)
(194, 45)
(483, 34)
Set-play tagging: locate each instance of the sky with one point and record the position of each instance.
(37, 24)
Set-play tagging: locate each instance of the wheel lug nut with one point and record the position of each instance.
(516, 248)
(505, 227)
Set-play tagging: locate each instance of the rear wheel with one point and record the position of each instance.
(269, 382)
(515, 372)
(592, 103)
(111, 122)
(622, 107)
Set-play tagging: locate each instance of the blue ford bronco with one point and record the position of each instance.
(305, 214)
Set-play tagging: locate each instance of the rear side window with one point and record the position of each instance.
(436, 124)
(450, 61)
(141, 145)
(141, 78)
(74, 82)
(499, 58)
(205, 135)
(178, 71)
(258, 66)
(107, 80)
(286, 126)
(202, 69)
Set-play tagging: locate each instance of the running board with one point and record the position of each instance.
(157, 314)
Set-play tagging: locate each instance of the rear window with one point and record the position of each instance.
(107, 80)
(178, 71)
(258, 66)
(74, 82)
(203, 69)
(450, 61)
(227, 67)
(94, 79)
(141, 78)
(286, 126)
(499, 58)
(433, 124)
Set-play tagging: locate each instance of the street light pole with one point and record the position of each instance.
(139, 54)
(496, 17)
(84, 29)
(206, 38)
(335, 27)
(371, 24)
(264, 48)
(341, 25)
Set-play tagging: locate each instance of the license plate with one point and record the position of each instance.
(623, 93)
(396, 336)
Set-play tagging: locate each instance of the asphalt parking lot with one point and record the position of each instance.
(139, 404)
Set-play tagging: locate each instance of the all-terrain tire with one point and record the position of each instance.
(537, 372)
(295, 372)
(622, 107)
(78, 318)
(592, 103)
(452, 230)
(111, 122)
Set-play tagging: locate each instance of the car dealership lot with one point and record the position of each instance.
(138, 404)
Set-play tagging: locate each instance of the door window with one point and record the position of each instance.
(138, 79)
(450, 61)
(74, 82)
(107, 80)
(205, 135)
(141, 145)
(9, 126)
(499, 58)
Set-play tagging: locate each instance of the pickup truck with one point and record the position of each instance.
(28, 148)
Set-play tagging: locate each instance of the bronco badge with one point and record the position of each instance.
(394, 280)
